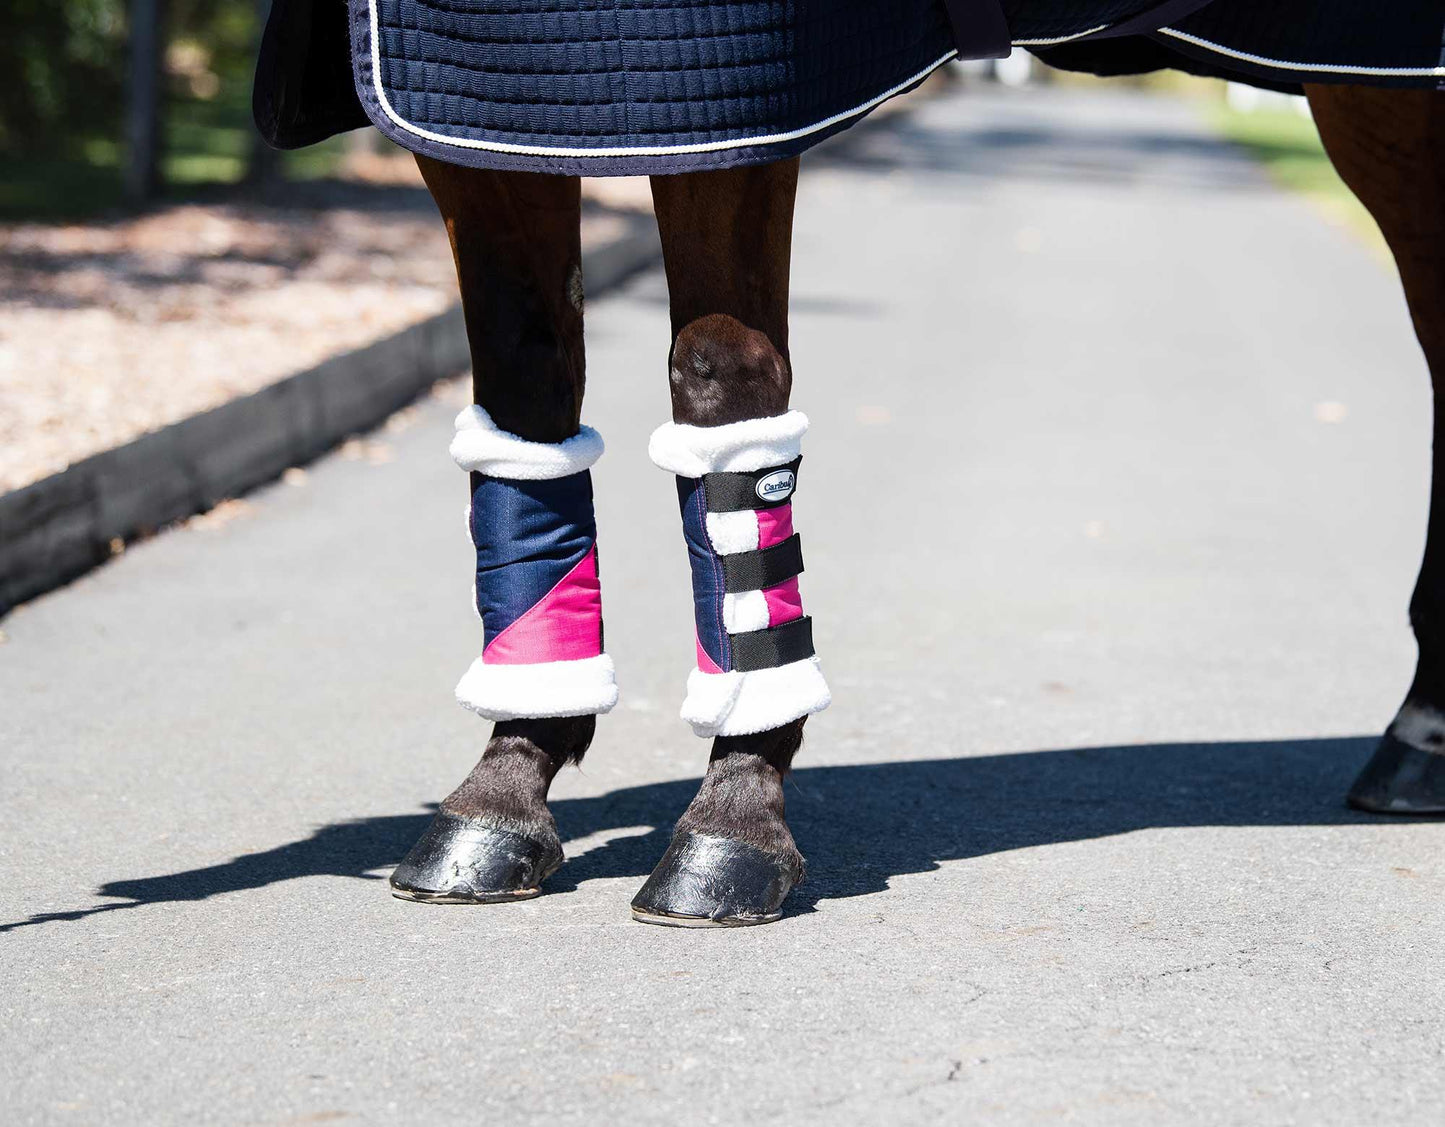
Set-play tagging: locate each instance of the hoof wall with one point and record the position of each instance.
(706, 881)
(643, 917)
(1400, 779)
(459, 861)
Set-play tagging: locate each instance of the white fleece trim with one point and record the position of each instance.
(738, 704)
(480, 446)
(532, 692)
(747, 610)
(753, 444)
(731, 533)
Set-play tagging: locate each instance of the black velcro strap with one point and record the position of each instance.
(759, 489)
(752, 571)
(767, 649)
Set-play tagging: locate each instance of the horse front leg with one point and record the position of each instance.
(1389, 147)
(733, 446)
(542, 675)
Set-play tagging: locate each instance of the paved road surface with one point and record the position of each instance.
(1110, 615)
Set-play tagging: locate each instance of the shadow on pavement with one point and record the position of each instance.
(859, 826)
(864, 824)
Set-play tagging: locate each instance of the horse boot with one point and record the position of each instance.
(757, 674)
(538, 594)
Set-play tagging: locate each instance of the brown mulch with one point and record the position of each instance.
(112, 329)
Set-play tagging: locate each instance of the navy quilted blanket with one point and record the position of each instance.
(624, 87)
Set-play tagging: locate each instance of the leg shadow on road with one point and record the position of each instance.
(862, 825)
(344, 849)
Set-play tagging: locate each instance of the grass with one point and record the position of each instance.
(1288, 146)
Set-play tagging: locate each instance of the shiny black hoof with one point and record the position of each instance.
(459, 861)
(1400, 779)
(706, 881)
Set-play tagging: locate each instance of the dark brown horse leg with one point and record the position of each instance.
(516, 240)
(1389, 147)
(726, 240)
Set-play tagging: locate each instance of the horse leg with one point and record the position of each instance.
(516, 241)
(1389, 147)
(726, 240)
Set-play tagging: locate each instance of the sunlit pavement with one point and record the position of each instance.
(1112, 504)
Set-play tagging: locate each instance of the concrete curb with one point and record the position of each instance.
(62, 526)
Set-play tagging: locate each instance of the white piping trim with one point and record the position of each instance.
(1321, 68)
(1059, 38)
(636, 150)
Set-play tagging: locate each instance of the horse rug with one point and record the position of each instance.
(640, 87)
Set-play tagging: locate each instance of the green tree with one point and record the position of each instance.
(65, 67)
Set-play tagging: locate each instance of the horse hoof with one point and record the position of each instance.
(460, 861)
(707, 881)
(1400, 779)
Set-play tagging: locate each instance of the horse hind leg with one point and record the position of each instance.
(516, 241)
(1389, 147)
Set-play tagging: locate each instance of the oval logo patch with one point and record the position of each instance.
(777, 486)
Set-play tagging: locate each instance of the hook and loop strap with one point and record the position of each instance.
(980, 28)
(779, 645)
(761, 489)
(767, 567)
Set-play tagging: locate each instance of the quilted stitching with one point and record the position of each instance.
(1399, 39)
(594, 86)
(1383, 33)
(1054, 19)
(626, 73)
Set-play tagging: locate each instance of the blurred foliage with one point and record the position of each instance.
(62, 102)
(65, 67)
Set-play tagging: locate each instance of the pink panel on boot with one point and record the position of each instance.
(705, 663)
(774, 525)
(565, 624)
(784, 602)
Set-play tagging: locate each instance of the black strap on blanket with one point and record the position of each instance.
(752, 571)
(1151, 19)
(760, 489)
(980, 29)
(767, 649)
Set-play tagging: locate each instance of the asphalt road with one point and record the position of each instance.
(1113, 500)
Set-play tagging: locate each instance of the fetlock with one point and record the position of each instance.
(743, 802)
(1406, 773)
(508, 786)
